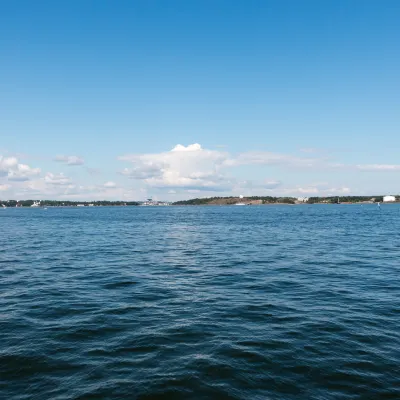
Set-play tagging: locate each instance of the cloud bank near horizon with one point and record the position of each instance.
(182, 172)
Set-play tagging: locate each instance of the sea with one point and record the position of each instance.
(200, 302)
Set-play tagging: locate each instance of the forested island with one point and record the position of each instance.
(234, 200)
(253, 200)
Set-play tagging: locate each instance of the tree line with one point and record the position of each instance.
(282, 200)
(234, 200)
(64, 203)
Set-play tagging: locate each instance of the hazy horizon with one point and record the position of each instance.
(179, 100)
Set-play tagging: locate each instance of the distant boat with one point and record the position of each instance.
(36, 204)
(240, 203)
(3, 206)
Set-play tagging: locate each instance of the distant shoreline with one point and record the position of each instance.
(270, 200)
(285, 204)
(211, 205)
(210, 201)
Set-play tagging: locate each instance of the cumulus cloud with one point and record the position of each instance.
(70, 160)
(4, 187)
(6, 164)
(186, 167)
(14, 171)
(22, 172)
(57, 179)
(194, 168)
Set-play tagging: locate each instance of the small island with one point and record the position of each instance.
(269, 200)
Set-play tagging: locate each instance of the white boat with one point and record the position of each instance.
(240, 203)
(3, 206)
(36, 204)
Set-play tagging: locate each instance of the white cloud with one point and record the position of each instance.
(307, 190)
(269, 158)
(194, 168)
(110, 185)
(59, 186)
(256, 187)
(14, 171)
(378, 167)
(70, 160)
(190, 167)
(341, 190)
(190, 147)
(57, 179)
(6, 164)
(144, 170)
(22, 172)
(185, 171)
(271, 184)
(97, 192)
(318, 190)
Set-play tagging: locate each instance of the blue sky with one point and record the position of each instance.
(264, 97)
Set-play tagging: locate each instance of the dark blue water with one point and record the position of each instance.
(261, 302)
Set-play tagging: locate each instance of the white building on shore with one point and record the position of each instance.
(388, 199)
(302, 199)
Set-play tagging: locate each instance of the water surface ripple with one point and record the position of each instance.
(280, 302)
